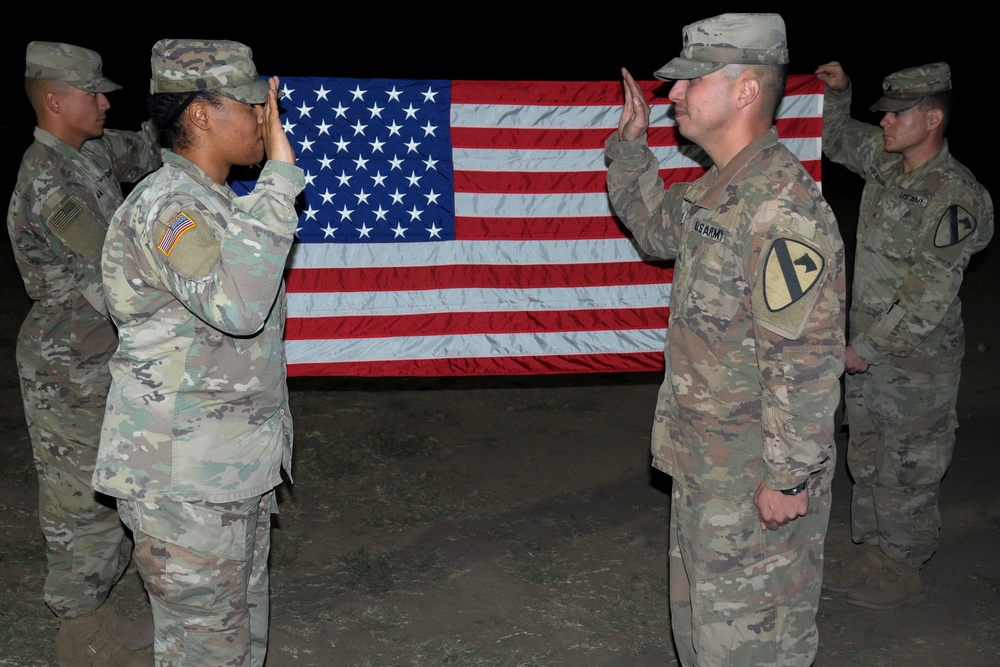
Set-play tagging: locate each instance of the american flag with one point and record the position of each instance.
(453, 228)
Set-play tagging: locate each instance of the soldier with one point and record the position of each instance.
(198, 427)
(68, 186)
(923, 215)
(744, 421)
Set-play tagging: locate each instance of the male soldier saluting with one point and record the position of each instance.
(68, 187)
(923, 215)
(754, 352)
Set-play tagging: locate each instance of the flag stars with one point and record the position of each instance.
(286, 92)
(306, 144)
(430, 163)
(310, 178)
(304, 110)
(410, 111)
(345, 179)
(321, 93)
(342, 144)
(379, 178)
(413, 179)
(397, 197)
(399, 231)
(376, 111)
(310, 213)
(328, 231)
(361, 163)
(429, 94)
(376, 145)
(412, 146)
(429, 129)
(359, 128)
(415, 213)
(345, 213)
(362, 196)
(432, 197)
(364, 230)
(396, 163)
(394, 129)
(325, 162)
(358, 94)
(380, 213)
(340, 110)
(327, 196)
(324, 127)
(394, 94)
(434, 230)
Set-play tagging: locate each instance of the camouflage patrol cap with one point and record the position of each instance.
(190, 65)
(903, 89)
(711, 44)
(77, 66)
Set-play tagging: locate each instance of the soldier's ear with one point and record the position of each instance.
(199, 113)
(749, 90)
(934, 119)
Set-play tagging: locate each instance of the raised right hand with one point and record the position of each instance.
(634, 120)
(276, 143)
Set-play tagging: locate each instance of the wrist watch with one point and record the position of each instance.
(795, 490)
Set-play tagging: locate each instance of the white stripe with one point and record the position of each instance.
(402, 302)
(369, 255)
(592, 159)
(594, 116)
(475, 345)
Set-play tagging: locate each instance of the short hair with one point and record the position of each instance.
(944, 101)
(36, 90)
(166, 110)
(772, 77)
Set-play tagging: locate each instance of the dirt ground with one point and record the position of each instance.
(516, 522)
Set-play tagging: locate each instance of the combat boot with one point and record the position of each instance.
(855, 571)
(84, 642)
(893, 585)
(132, 633)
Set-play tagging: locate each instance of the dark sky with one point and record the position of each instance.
(512, 45)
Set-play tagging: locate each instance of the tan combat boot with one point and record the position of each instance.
(855, 571)
(132, 633)
(85, 642)
(894, 585)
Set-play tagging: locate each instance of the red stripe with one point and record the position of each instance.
(464, 323)
(456, 276)
(636, 362)
(469, 228)
(548, 93)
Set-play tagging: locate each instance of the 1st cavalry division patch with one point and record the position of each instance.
(790, 270)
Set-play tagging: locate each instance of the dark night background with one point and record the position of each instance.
(421, 42)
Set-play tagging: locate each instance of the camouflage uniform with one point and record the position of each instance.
(57, 219)
(198, 426)
(753, 356)
(916, 234)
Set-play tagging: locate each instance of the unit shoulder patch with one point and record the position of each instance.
(785, 291)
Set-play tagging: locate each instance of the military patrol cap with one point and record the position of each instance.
(191, 65)
(75, 65)
(711, 44)
(903, 89)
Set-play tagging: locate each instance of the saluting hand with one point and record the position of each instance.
(276, 143)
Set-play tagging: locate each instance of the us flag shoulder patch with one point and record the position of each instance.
(172, 234)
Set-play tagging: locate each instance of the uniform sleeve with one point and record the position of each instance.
(927, 291)
(58, 245)
(134, 154)
(847, 141)
(227, 267)
(798, 301)
(639, 199)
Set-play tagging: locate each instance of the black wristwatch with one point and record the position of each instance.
(795, 490)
